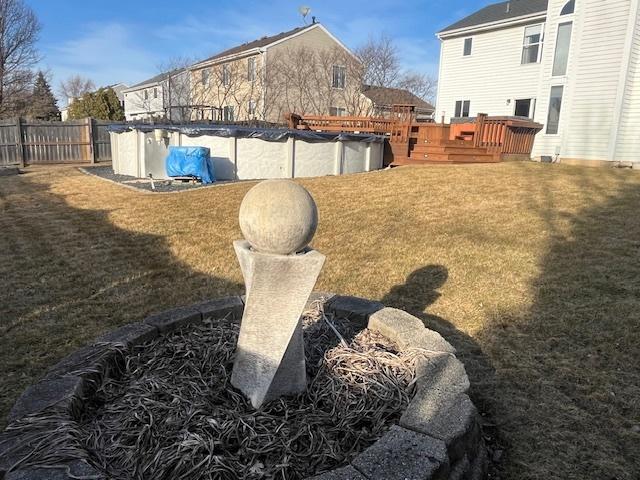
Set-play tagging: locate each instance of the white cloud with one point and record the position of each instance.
(106, 53)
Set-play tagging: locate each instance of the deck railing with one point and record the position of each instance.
(499, 135)
(327, 123)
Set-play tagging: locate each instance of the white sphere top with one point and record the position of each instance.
(278, 216)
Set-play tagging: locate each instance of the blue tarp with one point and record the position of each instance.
(190, 162)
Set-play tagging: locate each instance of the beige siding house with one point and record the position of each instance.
(305, 70)
(570, 65)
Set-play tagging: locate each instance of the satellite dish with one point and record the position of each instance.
(304, 11)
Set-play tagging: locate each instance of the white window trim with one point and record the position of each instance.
(564, 20)
(564, 91)
(540, 43)
(464, 42)
(532, 106)
(461, 108)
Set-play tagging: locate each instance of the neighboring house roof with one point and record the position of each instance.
(154, 80)
(498, 12)
(261, 42)
(386, 96)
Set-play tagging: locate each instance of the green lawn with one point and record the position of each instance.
(531, 270)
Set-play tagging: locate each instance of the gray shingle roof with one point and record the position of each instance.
(499, 11)
(261, 42)
(157, 79)
(386, 96)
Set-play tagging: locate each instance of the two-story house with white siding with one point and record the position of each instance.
(571, 65)
(162, 96)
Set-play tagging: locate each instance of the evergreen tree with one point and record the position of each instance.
(42, 102)
(102, 104)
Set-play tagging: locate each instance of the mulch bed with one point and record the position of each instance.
(167, 410)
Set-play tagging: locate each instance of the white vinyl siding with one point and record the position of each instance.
(491, 78)
(591, 83)
(594, 78)
(628, 139)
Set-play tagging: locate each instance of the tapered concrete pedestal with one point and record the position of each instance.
(270, 355)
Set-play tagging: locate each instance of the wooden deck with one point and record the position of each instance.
(483, 140)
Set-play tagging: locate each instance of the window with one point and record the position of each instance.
(251, 109)
(568, 8)
(155, 92)
(337, 111)
(204, 76)
(462, 108)
(561, 56)
(555, 102)
(339, 76)
(227, 114)
(226, 76)
(525, 107)
(468, 42)
(251, 69)
(146, 94)
(532, 44)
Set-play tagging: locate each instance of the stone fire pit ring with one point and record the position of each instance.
(437, 437)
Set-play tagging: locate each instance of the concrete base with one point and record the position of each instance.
(269, 359)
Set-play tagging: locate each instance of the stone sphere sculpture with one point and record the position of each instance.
(278, 217)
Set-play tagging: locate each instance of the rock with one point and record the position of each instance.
(63, 393)
(407, 331)
(451, 418)
(221, 307)
(402, 454)
(130, 335)
(278, 216)
(75, 469)
(355, 309)
(345, 473)
(175, 318)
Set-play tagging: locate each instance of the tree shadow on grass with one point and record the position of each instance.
(569, 367)
(69, 275)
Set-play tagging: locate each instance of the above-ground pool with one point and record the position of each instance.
(242, 153)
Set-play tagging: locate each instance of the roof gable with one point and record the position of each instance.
(499, 12)
(259, 43)
(387, 96)
(153, 80)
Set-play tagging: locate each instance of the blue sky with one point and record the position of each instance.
(128, 41)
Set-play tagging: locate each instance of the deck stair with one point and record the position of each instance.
(450, 151)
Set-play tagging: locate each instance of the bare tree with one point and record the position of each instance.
(19, 30)
(420, 84)
(75, 87)
(176, 89)
(379, 57)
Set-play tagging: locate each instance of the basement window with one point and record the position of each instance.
(462, 108)
(524, 107)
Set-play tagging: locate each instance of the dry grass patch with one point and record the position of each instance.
(533, 271)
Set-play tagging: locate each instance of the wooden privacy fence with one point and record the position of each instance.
(28, 142)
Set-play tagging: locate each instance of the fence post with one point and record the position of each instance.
(92, 140)
(19, 145)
